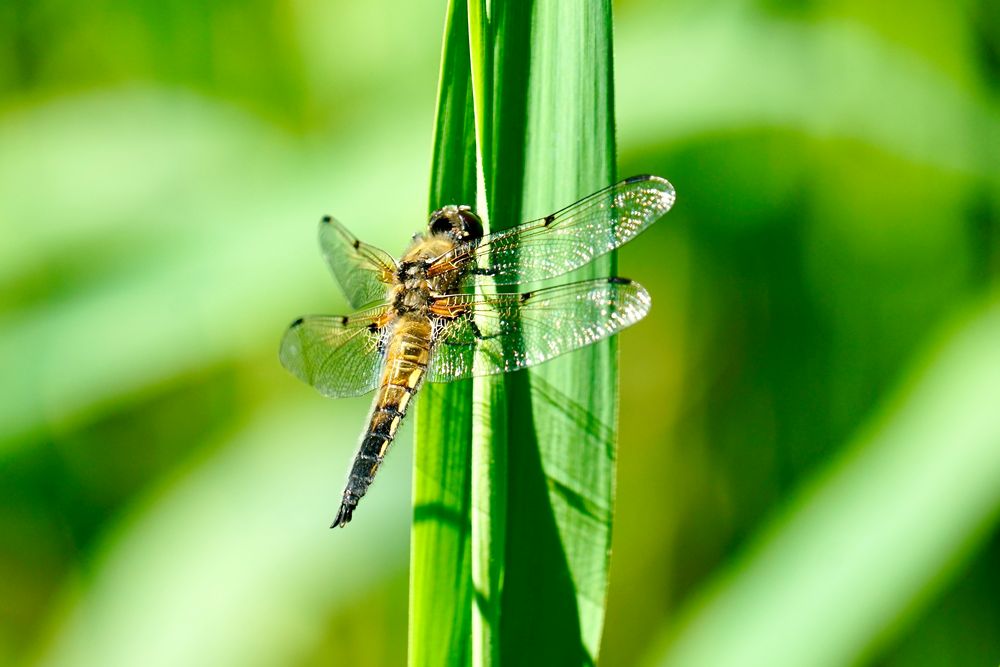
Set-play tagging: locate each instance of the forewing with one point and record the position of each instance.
(568, 239)
(339, 356)
(506, 332)
(363, 271)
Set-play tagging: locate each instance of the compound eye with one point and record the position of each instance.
(443, 221)
(441, 225)
(471, 224)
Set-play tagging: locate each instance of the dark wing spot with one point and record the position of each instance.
(373, 327)
(327, 219)
(616, 280)
(549, 219)
(344, 320)
(638, 178)
(357, 244)
(297, 322)
(526, 295)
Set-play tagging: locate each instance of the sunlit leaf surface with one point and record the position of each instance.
(441, 591)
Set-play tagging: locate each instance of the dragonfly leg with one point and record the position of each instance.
(475, 329)
(476, 332)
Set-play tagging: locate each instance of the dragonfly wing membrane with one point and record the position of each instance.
(362, 270)
(569, 238)
(506, 332)
(339, 356)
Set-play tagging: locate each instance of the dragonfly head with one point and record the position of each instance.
(458, 222)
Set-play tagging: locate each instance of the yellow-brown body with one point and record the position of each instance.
(407, 349)
(426, 317)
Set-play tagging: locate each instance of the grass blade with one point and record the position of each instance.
(520, 549)
(546, 439)
(440, 574)
(489, 447)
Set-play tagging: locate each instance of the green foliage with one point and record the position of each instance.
(789, 406)
(942, 426)
(441, 591)
(521, 548)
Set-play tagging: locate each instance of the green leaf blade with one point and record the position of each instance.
(553, 142)
(440, 566)
(533, 543)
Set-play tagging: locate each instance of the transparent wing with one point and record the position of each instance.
(362, 270)
(500, 333)
(568, 239)
(339, 356)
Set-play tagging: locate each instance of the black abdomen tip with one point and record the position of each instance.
(344, 515)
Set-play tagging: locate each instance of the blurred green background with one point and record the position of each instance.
(809, 459)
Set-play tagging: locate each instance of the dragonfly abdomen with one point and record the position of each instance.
(407, 355)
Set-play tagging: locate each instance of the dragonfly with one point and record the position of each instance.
(445, 310)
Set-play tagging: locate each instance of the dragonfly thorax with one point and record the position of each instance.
(410, 272)
(414, 268)
(412, 297)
